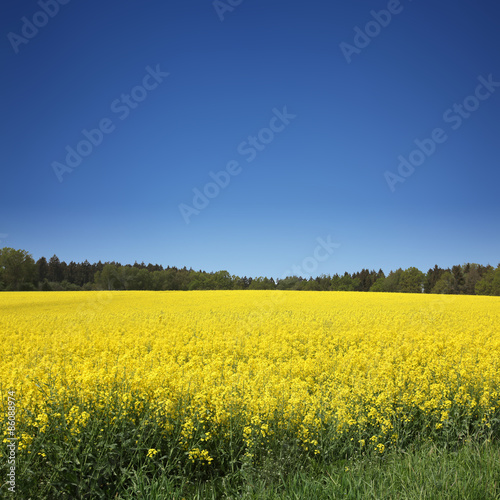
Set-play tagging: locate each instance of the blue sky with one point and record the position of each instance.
(355, 102)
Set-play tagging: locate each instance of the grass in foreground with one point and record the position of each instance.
(471, 472)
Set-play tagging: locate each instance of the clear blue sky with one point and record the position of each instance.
(319, 174)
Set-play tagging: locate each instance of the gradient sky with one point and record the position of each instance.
(321, 175)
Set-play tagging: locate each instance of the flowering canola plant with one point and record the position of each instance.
(252, 369)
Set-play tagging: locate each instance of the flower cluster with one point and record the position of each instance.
(366, 368)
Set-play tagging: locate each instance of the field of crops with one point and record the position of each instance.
(203, 383)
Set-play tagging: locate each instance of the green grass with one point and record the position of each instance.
(472, 472)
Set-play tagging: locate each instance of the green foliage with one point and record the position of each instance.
(472, 274)
(17, 269)
(54, 270)
(45, 286)
(445, 284)
(19, 272)
(262, 283)
(379, 285)
(367, 279)
(223, 280)
(311, 285)
(459, 279)
(391, 283)
(54, 286)
(109, 278)
(42, 269)
(490, 283)
(411, 281)
(289, 283)
(431, 278)
(345, 283)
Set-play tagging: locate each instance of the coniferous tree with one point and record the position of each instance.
(432, 277)
(469, 278)
(459, 279)
(54, 273)
(70, 274)
(42, 269)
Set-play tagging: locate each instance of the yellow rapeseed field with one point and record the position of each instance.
(370, 369)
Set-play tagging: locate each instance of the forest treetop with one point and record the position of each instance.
(19, 271)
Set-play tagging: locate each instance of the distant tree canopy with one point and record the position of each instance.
(18, 271)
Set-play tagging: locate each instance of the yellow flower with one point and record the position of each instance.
(219, 365)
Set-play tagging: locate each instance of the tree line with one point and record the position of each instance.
(19, 271)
